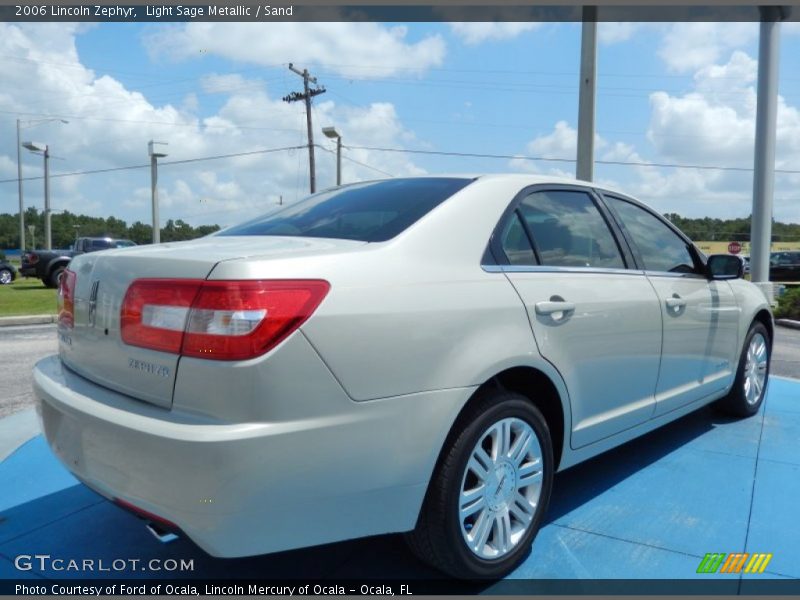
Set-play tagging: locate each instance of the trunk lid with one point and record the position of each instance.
(94, 348)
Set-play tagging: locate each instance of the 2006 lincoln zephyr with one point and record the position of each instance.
(410, 355)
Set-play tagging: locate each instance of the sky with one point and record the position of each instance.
(668, 93)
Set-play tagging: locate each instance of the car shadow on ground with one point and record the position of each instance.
(74, 523)
(578, 485)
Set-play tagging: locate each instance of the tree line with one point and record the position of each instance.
(66, 226)
(723, 230)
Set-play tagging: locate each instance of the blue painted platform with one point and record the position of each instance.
(650, 509)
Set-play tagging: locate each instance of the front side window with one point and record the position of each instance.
(569, 231)
(371, 212)
(661, 249)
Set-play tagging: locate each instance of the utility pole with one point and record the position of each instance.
(154, 156)
(586, 98)
(764, 163)
(307, 95)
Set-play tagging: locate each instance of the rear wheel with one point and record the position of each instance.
(490, 491)
(55, 277)
(750, 385)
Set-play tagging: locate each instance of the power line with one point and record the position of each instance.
(171, 124)
(171, 162)
(565, 160)
(353, 160)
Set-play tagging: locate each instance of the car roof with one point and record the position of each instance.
(523, 179)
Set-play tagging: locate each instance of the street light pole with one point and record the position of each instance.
(21, 206)
(154, 156)
(19, 181)
(331, 133)
(45, 150)
(48, 240)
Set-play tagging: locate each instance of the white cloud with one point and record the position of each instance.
(614, 33)
(476, 33)
(713, 124)
(366, 50)
(562, 144)
(690, 46)
(111, 124)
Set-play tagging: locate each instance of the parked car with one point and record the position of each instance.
(784, 266)
(8, 273)
(413, 355)
(48, 265)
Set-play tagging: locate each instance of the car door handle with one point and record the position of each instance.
(548, 308)
(676, 302)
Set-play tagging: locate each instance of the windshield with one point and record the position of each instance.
(370, 212)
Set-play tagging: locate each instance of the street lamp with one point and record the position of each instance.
(44, 149)
(331, 133)
(22, 125)
(154, 156)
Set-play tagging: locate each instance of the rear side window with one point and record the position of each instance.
(569, 231)
(370, 212)
(515, 243)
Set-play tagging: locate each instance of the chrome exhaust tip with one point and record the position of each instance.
(162, 535)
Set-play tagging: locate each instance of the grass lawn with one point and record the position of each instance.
(26, 297)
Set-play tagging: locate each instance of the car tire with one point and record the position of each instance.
(475, 526)
(752, 375)
(55, 277)
(6, 276)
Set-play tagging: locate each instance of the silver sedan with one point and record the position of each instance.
(412, 355)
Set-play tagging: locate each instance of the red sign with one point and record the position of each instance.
(734, 247)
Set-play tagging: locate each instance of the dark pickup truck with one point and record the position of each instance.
(48, 265)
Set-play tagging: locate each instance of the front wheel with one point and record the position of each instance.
(490, 490)
(6, 276)
(750, 385)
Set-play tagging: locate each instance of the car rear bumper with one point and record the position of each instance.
(239, 489)
(28, 271)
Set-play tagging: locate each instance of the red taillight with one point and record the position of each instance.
(154, 312)
(220, 320)
(66, 299)
(30, 258)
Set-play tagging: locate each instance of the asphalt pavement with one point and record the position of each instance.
(20, 348)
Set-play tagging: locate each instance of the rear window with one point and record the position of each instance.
(370, 212)
(100, 244)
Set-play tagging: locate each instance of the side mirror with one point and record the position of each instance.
(724, 266)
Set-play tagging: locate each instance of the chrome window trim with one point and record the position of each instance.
(554, 269)
(674, 275)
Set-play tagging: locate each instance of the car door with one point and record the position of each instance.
(595, 320)
(700, 316)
